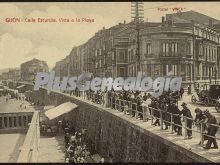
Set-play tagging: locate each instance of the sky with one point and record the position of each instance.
(51, 42)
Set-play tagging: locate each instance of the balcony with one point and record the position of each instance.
(162, 55)
(187, 30)
(201, 57)
(148, 55)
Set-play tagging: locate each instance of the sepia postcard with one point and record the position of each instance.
(110, 82)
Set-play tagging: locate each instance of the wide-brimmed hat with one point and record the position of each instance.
(183, 104)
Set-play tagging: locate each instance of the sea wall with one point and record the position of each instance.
(113, 135)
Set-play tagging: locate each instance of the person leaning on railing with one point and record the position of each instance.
(139, 107)
(176, 117)
(199, 119)
(163, 107)
(188, 116)
(210, 121)
(156, 113)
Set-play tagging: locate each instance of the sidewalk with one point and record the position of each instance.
(51, 150)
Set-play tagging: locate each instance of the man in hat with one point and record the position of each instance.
(187, 113)
(200, 117)
(156, 113)
(176, 117)
(211, 130)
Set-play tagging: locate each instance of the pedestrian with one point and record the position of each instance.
(176, 118)
(189, 89)
(199, 119)
(211, 130)
(156, 113)
(67, 139)
(163, 107)
(188, 116)
(145, 97)
(181, 92)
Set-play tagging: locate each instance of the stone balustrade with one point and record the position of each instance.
(29, 150)
(10, 121)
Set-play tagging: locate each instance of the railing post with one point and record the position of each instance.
(136, 111)
(152, 115)
(3, 122)
(171, 122)
(120, 109)
(185, 127)
(202, 134)
(144, 113)
(131, 109)
(125, 107)
(8, 122)
(161, 119)
(147, 113)
(12, 121)
(105, 98)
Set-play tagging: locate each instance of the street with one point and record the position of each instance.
(187, 99)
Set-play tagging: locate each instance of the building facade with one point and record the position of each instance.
(30, 68)
(182, 44)
(11, 74)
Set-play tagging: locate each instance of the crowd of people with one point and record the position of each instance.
(162, 108)
(76, 147)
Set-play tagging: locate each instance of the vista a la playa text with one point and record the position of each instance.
(49, 20)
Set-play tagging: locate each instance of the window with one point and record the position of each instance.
(170, 69)
(200, 32)
(200, 49)
(113, 56)
(121, 56)
(129, 56)
(100, 63)
(169, 49)
(132, 55)
(148, 48)
(149, 69)
(122, 71)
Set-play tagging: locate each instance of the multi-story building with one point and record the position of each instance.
(11, 74)
(4, 75)
(14, 74)
(183, 44)
(30, 68)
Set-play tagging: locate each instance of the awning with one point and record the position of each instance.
(20, 86)
(60, 110)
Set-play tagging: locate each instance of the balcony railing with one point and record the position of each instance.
(147, 113)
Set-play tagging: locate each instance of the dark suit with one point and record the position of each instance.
(187, 113)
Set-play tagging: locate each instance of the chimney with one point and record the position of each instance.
(210, 23)
(163, 21)
(124, 22)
